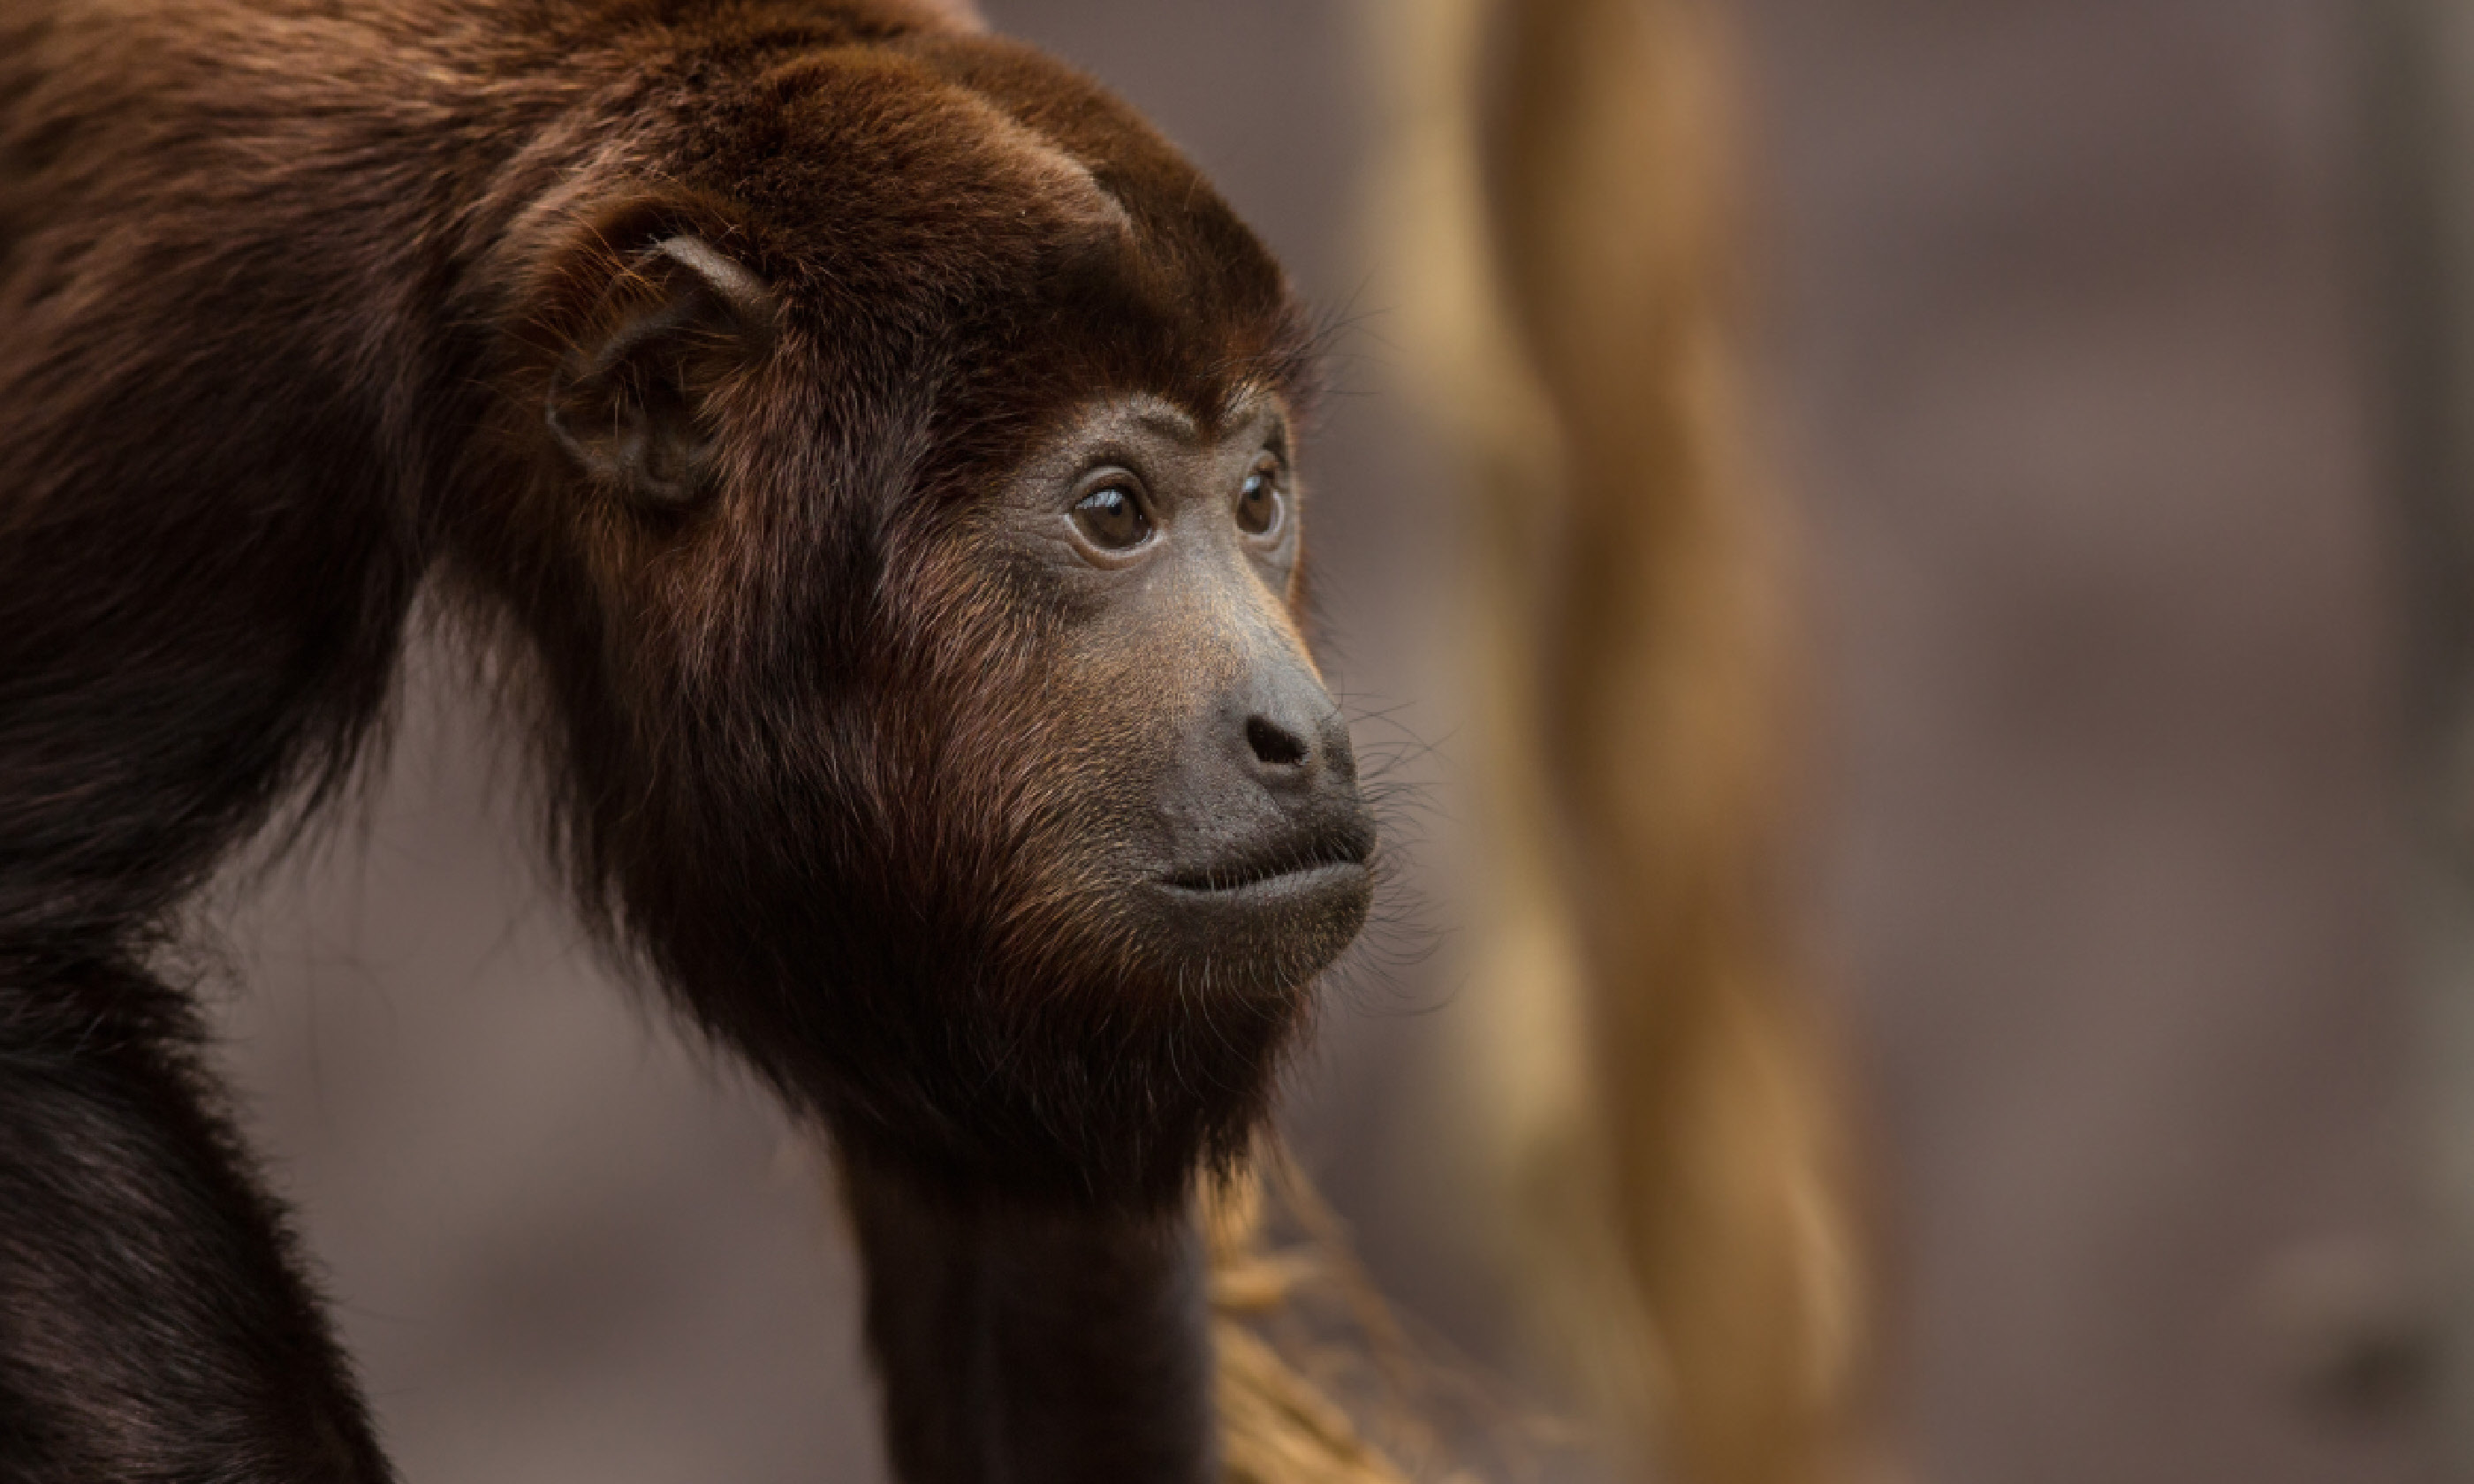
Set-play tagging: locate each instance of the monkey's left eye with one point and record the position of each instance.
(1113, 518)
(1258, 503)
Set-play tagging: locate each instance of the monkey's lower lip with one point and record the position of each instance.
(1295, 881)
(1281, 864)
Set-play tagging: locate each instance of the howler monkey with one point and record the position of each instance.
(869, 450)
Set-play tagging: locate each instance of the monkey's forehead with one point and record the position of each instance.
(1255, 416)
(968, 171)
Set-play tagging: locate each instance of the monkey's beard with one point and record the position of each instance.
(1114, 1092)
(1048, 1056)
(971, 974)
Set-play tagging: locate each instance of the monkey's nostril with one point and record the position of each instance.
(1275, 746)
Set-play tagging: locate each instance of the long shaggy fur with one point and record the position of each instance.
(284, 287)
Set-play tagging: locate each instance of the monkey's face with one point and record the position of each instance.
(1121, 832)
(1205, 795)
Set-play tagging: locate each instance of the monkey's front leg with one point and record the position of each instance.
(152, 1323)
(1035, 1347)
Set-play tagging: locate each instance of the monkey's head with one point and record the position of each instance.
(908, 524)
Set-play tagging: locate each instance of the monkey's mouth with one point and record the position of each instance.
(1295, 863)
(1271, 912)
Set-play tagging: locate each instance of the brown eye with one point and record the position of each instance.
(1258, 503)
(1112, 519)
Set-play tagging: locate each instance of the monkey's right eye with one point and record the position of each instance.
(1113, 518)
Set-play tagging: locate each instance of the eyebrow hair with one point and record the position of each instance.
(1169, 422)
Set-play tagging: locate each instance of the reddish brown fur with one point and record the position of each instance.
(284, 286)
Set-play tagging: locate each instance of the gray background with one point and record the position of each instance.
(2071, 367)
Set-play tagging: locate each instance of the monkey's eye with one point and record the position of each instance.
(1258, 503)
(1113, 518)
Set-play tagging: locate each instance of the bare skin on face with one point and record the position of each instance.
(1172, 549)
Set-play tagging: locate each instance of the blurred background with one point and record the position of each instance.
(2107, 357)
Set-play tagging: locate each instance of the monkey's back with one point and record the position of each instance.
(244, 324)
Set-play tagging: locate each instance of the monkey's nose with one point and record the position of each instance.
(1267, 787)
(1293, 735)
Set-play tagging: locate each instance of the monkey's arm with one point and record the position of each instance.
(1035, 1348)
(152, 1323)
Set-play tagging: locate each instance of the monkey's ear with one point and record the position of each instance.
(627, 403)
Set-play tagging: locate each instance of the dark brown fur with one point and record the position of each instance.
(284, 288)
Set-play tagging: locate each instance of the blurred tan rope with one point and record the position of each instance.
(1319, 1381)
(1278, 1425)
(1657, 1094)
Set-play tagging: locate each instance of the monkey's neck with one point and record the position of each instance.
(1035, 1348)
